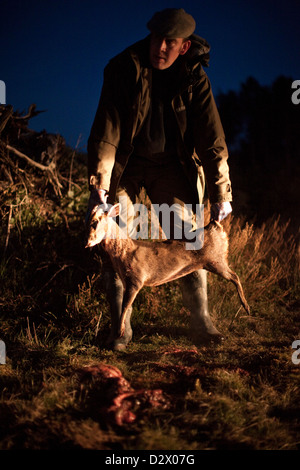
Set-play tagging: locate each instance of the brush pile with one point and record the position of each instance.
(25, 153)
(37, 170)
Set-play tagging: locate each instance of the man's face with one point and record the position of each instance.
(164, 51)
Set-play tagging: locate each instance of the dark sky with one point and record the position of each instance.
(53, 52)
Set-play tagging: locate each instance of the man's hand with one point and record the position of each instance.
(220, 210)
(103, 195)
(97, 197)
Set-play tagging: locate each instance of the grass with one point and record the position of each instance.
(243, 394)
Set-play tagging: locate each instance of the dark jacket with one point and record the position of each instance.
(124, 104)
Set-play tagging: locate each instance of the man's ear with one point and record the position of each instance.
(185, 47)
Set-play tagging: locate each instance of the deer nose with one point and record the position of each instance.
(89, 243)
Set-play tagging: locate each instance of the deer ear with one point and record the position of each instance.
(114, 211)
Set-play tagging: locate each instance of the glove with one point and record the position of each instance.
(97, 197)
(220, 210)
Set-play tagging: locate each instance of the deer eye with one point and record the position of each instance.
(94, 225)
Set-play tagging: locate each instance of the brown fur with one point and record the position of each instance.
(152, 263)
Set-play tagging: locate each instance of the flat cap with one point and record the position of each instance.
(172, 23)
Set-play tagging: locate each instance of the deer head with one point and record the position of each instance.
(98, 227)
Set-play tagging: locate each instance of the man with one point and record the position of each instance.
(157, 127)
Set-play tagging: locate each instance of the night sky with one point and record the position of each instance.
(53, 52)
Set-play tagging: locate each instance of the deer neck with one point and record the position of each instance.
(116, 241)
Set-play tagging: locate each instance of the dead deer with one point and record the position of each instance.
(152, 263)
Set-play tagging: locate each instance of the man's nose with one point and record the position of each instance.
(163, 45)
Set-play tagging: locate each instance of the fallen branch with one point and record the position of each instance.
(49, 167)
(52, 174)
(32, 112)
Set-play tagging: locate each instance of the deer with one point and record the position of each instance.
(142, 263)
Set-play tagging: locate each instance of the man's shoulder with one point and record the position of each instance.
(136, 52)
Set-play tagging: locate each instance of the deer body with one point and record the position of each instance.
(152, 263)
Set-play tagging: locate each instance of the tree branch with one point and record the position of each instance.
(49, 167)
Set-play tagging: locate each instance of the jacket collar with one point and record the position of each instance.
(198, 52)
(191, 62)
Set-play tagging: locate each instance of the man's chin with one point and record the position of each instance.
(160, 64)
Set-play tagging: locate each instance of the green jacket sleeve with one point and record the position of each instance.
(209, 139)
(105, 133)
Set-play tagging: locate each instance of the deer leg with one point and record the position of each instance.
(130, 294)
(236, 281)
(223, 270)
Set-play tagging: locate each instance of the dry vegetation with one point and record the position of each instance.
(60, 387)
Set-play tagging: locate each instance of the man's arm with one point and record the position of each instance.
(105, 134)
(210, 142)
